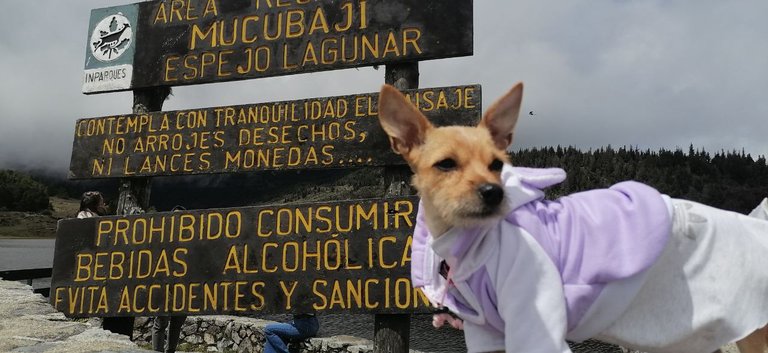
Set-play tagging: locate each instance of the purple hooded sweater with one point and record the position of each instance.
(560, 255)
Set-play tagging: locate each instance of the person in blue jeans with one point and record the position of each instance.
(278, 335)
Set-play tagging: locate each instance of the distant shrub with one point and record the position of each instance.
(19, 192)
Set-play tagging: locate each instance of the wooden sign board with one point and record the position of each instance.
(184, 42)
(350, 256)
(317, 133)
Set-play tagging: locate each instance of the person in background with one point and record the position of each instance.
(167, 329)
(92, 205)
(163, 341)
(278, 335)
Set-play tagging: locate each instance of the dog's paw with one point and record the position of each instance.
(438, 320)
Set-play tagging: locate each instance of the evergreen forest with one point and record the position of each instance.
(730, 180)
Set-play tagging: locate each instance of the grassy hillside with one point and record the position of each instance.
(37, 225)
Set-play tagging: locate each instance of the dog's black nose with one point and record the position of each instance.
(491, 194)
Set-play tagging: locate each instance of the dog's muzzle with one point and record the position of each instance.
(490, 194)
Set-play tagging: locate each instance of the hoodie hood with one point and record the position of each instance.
(522, 186)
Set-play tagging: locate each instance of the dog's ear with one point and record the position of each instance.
(501, 117)
(402, 121)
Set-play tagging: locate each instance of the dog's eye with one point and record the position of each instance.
(496, 165)
(446, 165)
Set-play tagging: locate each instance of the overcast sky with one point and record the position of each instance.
(651, 74)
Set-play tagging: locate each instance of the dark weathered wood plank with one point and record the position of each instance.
(172, 43)
(345, 256)
(316, 133)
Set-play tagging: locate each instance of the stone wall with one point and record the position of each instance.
(241, 334)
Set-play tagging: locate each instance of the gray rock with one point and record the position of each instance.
(237, 339)
(189, 329)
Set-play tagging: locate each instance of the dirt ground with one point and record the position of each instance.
(37, 225)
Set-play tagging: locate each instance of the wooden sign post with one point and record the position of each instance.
(134, 193)
(315, 133)
(172, 43)
(336, 256)
(392, 332)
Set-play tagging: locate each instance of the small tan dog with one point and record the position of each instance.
(626, 265)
